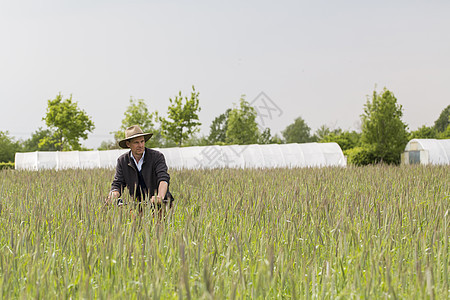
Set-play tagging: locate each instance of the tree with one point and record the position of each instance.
(445, 134)
(8, 147)
(423, 132)
(184, 118)
(40, 140)
(443, 121)
(297, 132)
(266, 137)
(345, 139)
(324, 131)
(242, 128)
(218, 128)
(108, 145)
(67, 122)
(195, 140)
(383, 132)
(137, 113)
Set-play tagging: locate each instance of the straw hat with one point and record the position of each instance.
(133, 132)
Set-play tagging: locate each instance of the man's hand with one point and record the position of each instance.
(157, 199)
(112, 197)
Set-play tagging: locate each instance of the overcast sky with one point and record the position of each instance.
(314, 59)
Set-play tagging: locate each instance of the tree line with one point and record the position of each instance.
(382, 138)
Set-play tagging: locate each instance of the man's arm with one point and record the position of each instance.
(162, 190)
(163, 178)
(117, 184)
(161, 170)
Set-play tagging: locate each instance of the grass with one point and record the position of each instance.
(369, 232)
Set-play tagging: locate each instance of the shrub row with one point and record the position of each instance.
(6, 165)
(361, 156)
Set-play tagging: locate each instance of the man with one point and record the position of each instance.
(142, 170)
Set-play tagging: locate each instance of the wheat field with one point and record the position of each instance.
(314, 233)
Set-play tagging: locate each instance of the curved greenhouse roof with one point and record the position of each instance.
(427, 151)
(198, 157)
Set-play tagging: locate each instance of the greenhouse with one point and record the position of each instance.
(427, 151)
(198, 157)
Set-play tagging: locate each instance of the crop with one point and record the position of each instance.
(357, 232)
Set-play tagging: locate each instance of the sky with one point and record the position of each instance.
(319, 60)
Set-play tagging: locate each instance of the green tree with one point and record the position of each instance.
(423, 132)
(195, 140)
(242, 128)
(324, 131)
(67, 122)
(108, 145)
(445, 134)
(40, 140)
(137, 113)
(8, 147)
(183, 117)
(384, 134)
(218, 129)
(345, 139)
(276, 139)
(266, 137)
(443, 121)
(297, 132)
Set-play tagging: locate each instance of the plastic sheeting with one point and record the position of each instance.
(199, 157)
(427, 151)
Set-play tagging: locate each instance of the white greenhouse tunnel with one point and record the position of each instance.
(427, 152)
(198, 157)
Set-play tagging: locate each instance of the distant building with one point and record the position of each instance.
(427, 152)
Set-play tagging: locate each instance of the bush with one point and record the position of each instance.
(6, 165)
(359, 156)
(363, 156)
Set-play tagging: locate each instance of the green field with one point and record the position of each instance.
(371, 232)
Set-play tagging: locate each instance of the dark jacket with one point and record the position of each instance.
(154, 170)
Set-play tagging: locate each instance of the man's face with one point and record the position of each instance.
(137, 145)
